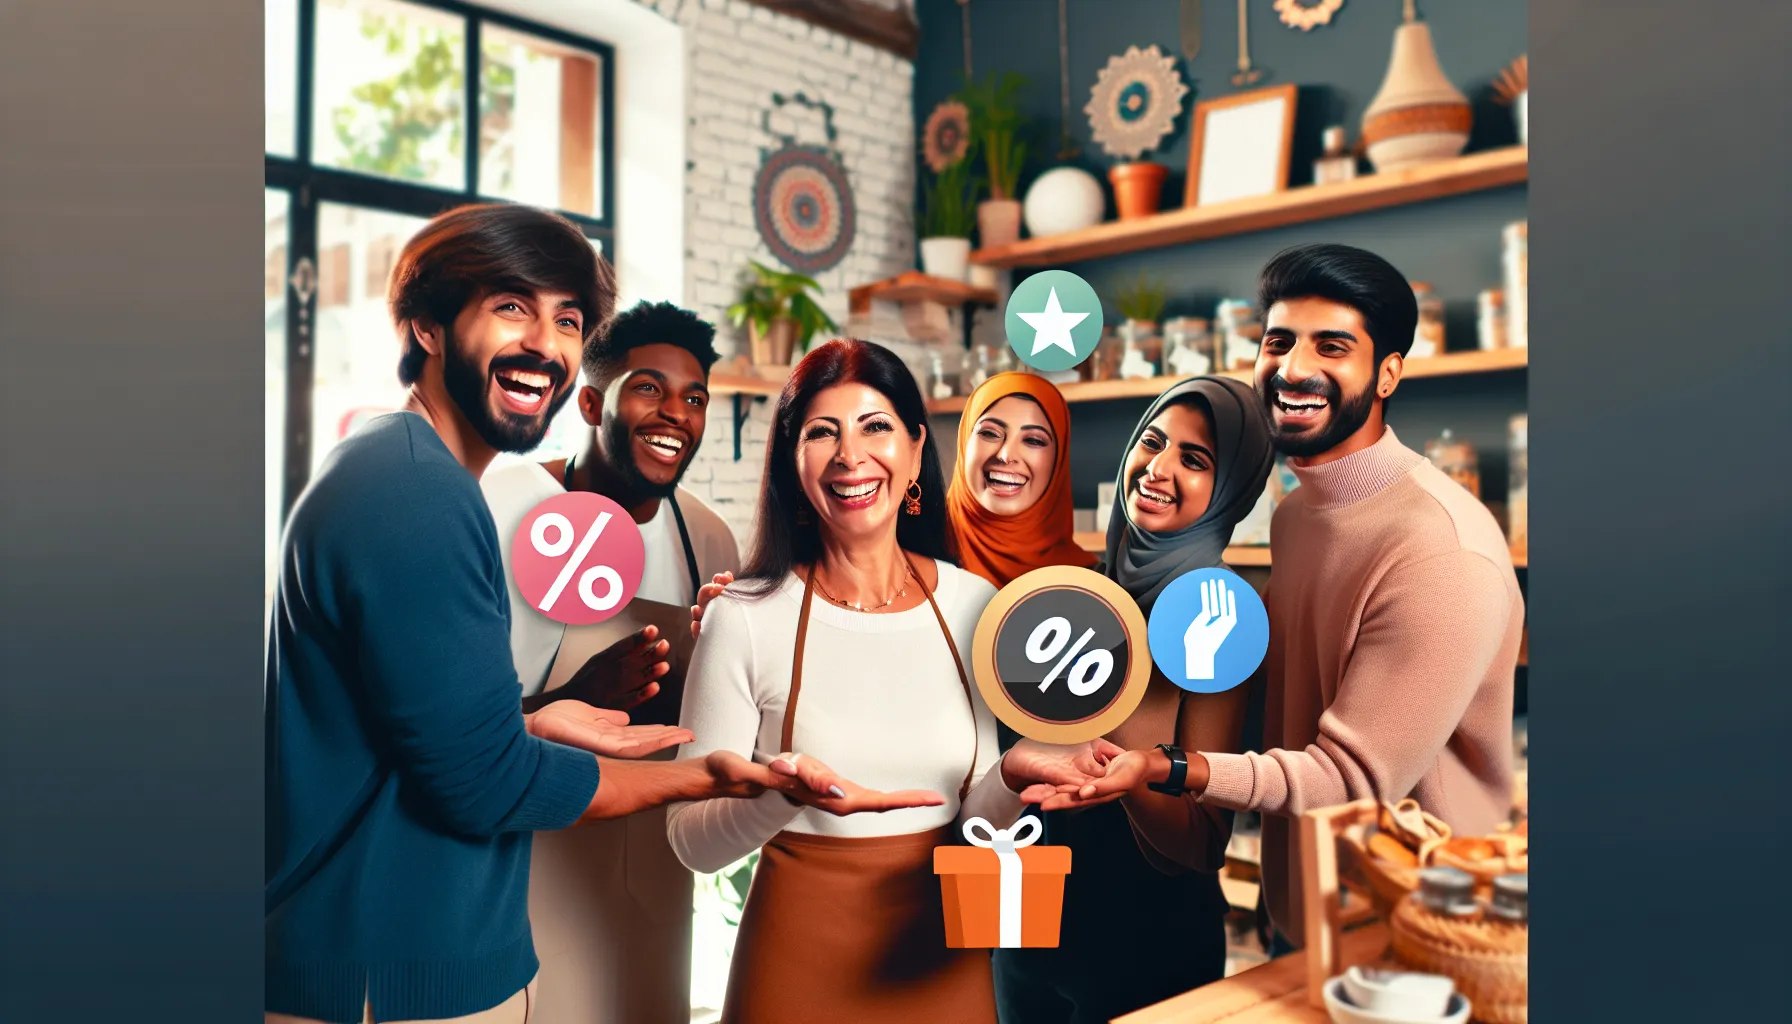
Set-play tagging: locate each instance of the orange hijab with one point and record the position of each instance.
(1000, 548)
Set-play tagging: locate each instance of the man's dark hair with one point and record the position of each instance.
(472, 251)
(659, 323)
(1351, 277)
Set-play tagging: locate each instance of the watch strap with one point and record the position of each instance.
(1174, 785)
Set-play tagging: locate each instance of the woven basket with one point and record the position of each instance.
(1488, 959)
(1388, 882)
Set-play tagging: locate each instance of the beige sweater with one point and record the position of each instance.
(1394, 625)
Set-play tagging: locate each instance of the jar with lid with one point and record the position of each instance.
(1141, 349)
(1428, 336)
(1188, 347)
(1239, 334)
(1491, 320)
(1515, 261)
(981, 367)
(1457, 460)
(1447, 891)
(939, 384)
(1104, 362)
(1511, 899)
(1335, 165)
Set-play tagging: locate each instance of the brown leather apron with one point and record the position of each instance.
(839, 929)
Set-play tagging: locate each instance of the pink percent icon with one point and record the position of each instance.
(577, 558)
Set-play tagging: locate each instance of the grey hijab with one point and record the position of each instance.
(1145, 562)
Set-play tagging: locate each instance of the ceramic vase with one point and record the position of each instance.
(1063, 199)
(945, 257)
(998, 222)
(1418, 116)
(1137, 187)
(774, 346)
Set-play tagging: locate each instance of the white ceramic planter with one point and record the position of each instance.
(945, 257)
(1521, 109)
(1063, 199)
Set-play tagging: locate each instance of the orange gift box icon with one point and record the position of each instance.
(1002, 891)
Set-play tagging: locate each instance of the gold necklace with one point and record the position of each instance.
(908, 573)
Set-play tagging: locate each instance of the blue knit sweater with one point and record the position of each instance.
(402, 787)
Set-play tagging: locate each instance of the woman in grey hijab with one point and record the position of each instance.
(1144, 918)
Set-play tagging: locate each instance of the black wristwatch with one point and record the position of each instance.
(1178, 772)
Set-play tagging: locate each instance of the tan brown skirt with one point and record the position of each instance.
(852, 930)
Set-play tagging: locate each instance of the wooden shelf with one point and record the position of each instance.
(914, 286)
(1478, 171)
(732, 384)
(1448, 365)
(1253, 555)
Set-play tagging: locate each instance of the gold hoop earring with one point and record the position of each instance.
(911, 502)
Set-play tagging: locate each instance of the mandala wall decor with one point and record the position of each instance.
(1135, 100)
(1307, 14)
(802, 203)
(947, 136)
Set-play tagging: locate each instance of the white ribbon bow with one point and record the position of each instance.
(1005, 841)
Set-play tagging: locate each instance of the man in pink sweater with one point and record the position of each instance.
(1394, 614)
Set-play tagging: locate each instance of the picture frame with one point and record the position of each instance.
(1240, 145)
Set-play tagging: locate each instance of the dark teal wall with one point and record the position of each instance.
(1453, 243)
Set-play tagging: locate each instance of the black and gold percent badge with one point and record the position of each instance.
(1061, 655)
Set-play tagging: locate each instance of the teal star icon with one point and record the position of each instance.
(1053, 320)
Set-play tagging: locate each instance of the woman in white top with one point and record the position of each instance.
(851, 604)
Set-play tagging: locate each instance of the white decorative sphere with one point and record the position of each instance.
(1063, 199)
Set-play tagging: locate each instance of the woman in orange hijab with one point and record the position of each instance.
(1008, 507)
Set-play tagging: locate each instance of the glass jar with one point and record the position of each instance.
(1511, 898)
(939, 384)
(1104, 362)
(1239, 330)
(980, 361)
(1490, 321)
(1457, 460)
(1518, 484)
(1188, 347)
(1515, 263)
(1141, 350)
(1447, 891)
(1428, 336)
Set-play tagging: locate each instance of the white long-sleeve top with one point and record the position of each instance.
(881, 705)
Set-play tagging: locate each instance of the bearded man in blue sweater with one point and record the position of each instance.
(403, 778)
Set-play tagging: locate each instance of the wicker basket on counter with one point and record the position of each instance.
(1487, 958)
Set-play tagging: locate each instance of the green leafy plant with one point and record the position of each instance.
(1142, 300)
(996, 124)
(769, 295)
(950, 202)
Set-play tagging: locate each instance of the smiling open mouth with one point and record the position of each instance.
(525, 389)
(1004, 483)
(855, 493)
(1299, 405)
(1153, 501)
(665, 447)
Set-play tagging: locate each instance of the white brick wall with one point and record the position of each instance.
(738, 56)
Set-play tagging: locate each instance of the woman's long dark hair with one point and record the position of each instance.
(780, 543)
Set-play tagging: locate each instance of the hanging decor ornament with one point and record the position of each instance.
(1418, 116)
(947, 135)
(1307, 15)
(802, 202)
(1135, 100)
(1065, 198)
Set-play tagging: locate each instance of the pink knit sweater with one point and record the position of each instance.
(1394, 624)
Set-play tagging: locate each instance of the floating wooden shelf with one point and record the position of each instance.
(1447, 365)
(729, 384)
(914, 286)
(1489, 169)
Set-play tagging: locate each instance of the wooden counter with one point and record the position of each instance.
(1273, 993)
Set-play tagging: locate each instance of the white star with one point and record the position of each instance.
(1052, 326)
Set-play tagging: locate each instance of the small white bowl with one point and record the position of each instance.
(1343, 1011)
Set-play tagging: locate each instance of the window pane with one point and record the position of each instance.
(355, 364)
(274, 401)
(282, 63)
(391, 80)
(543, 101)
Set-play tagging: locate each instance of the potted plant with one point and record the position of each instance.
(996, 123)
(949, 204)
(1141, 304)
(781, 317)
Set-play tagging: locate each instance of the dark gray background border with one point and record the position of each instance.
(130, 479)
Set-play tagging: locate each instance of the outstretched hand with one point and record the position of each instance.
(804, 780)
(1124, 772)
(1030, 764)
(705, 594)
(601, 731)
(621, 677)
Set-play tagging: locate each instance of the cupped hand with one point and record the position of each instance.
(804, 780)
(1029, 763)
(1123, 772)
(623, 675)
(705, 594)
(601, 730)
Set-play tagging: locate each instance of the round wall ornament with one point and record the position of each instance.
(1307, 14)
(802, 202)
(1134, 101)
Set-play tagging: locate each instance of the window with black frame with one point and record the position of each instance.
(380, 114)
